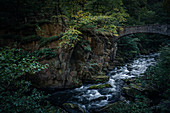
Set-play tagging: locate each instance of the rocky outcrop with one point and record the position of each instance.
(133, 88)
(72, 66)
(88, 61)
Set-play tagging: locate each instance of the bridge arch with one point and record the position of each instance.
(155, 28)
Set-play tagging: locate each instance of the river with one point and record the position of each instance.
(91, 99)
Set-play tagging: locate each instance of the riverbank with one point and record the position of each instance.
(146, 94)
(95, 98)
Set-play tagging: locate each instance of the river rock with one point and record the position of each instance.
(99, 99)
(129, 80)
(73, 108)
(109, 108)
(100, 86)
(130, 93)
(97, 79)
(60, 110)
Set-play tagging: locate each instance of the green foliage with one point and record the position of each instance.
(151, 43)
(128, 46)
(86, 46)
(45, 41)
(159, 74)
(28, 39)
(146, 11)
(101, 23)
(45, 53)
(157, 79)
(100, 86)
(16, 94)
(132, 107)
(89, 65)
(70, 37)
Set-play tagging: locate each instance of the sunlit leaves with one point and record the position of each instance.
(70, 37)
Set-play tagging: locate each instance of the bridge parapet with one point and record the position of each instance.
(154, 28)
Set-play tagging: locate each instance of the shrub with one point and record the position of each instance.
(16, 93)
(45, 53)
(159, 74)
(132, 107)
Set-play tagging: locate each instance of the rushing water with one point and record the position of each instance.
(90, 99)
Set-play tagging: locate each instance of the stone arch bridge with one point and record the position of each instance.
(154, 28)
(163, 29)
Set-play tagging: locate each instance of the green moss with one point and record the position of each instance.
(45, 41)
(100, 86)
(122, 107)
(73, 108)
(31, 38)
(45, 53)
(43, 22)
(101, 78)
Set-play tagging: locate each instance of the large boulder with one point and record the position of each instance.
(96, 79)
(100, 86)
(73, 108)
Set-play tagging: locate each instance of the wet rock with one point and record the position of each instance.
(63, 66)
(60, 110)
(121, 60)
(111, 67)
(97, 79)
(108, 108)
(135, 89)
(129, 80)
(106, 64)
(138, 87)
(99, 99)
(73, 73)
(130, 93)
(100, 86)
(73, 108)
(106, 59)
(105, 69)
(57, 64)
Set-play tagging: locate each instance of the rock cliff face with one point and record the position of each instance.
(73, 66)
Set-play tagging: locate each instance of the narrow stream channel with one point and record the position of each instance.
(90, 99)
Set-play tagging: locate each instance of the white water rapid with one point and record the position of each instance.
(96, 98)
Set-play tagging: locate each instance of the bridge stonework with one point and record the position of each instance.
(155, 28)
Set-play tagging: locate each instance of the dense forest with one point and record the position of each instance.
(52, 45)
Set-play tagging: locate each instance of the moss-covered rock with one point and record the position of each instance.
(97, 79)
(123, 107)
(73, 108)
(134, 89)
(130, 92)
(129, 80)
(60, 110)
(100, 86)
(99, 99)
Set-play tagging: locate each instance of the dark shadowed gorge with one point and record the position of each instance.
(84, 56)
